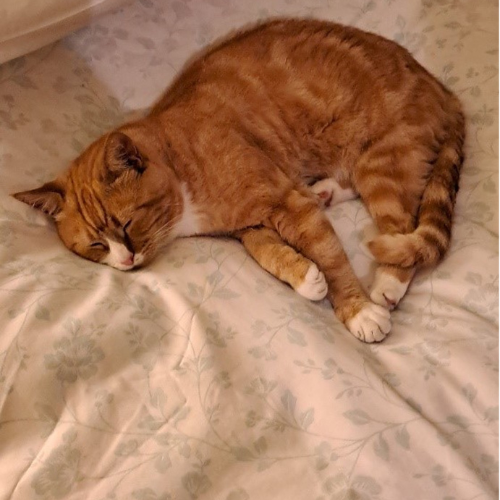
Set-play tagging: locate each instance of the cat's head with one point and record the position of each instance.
(116, 204)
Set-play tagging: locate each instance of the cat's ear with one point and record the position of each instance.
(122, 155)
(49, 198)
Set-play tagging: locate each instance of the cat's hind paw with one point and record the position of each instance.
(314, 286)
(371, 324)
(387, 290)
(328, 192)
(323, 190)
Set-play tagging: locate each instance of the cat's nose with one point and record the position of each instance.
(129, 261)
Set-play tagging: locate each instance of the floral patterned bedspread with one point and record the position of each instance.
(202, 377)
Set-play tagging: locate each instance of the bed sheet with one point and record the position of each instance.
(201, 376)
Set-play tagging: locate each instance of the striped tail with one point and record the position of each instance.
(429, 242)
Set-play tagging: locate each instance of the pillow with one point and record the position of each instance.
(26, 25)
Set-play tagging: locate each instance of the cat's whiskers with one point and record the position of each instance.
(158, 239)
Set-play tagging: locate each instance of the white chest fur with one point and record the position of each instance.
(190, 222)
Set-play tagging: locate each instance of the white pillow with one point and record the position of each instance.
(26, 25)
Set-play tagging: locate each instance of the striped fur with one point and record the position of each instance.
(428, 243)
(243, 131)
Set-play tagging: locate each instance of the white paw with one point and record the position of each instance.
(324, 191)
(371, 324)
(314, 286)
(387, 290)
(329, 192)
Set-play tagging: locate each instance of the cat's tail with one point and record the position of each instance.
(429, 242)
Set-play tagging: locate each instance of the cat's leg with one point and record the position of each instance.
(391, 194)
(391, 282)
(283, 262)
(300, 222)
(329, 192)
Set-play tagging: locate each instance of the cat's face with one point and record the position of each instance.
(112, 206)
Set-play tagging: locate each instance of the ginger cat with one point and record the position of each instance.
(233, 144)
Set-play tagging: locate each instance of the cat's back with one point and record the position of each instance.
(323, 59)
(309, 93)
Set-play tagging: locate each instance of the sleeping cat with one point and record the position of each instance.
(233, 145)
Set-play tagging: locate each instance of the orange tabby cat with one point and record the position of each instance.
(233, 144)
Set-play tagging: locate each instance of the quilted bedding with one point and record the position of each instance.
(201, 376)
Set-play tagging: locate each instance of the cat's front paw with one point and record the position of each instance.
(371, 324)
(314, 286)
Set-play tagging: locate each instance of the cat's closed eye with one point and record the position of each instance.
(99, 244)
(126, 235)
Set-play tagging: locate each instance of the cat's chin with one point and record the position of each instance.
(122, 268)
